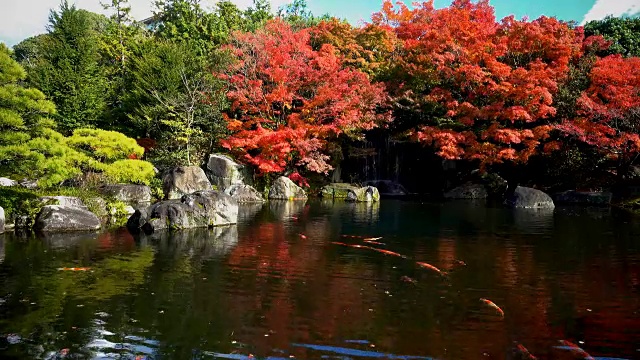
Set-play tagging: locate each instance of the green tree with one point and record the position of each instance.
(298, 15)
(256, 16)
(68, 69)
(623, 33)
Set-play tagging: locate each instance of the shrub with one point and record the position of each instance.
(130, 171)
(105, 146)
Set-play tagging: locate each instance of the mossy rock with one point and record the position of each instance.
(337, 191)
(364, 194)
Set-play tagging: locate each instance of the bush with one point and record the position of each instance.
(130, 171)
(12, 198)
(105, 146)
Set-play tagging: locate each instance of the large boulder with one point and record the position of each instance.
(1, 220)
(528, 198)
(388, 187)
(285, 189)
(596, 198)
(7, 182)
(467, 191)
(58, 218)
(128, 193)
(364, 194)
(70, 201)
(337, 190)
(244, 194)
(200, 209)
(184, 180)
(223, 172)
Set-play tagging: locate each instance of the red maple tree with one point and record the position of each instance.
(288, 100)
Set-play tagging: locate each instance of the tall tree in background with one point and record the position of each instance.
(257, 15)
(623, 33)
(288, 101)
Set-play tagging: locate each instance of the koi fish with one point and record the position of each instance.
(493, 305)
(575, 349)
(372, 239)
(303, 236)
(74, 269)
(352, 245)
(408, 280)
(373, 242)
(459, 262)
(354, 236)
(387, 252)
(339, 243)
(523, 353)
(431, 267)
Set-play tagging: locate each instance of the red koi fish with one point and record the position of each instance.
(409, 280)
(373, 242)
(302, 236)
(352, 245)
(431, 267)
(523, 353)
(354, 236)
(573, 348)
(372, 239)
(459, 262)
(74, 269)
(387, 252)
(339, 243)
(493, 305)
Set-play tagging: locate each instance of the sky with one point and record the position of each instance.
(20, 19)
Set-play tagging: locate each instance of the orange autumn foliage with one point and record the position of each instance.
(287, 100)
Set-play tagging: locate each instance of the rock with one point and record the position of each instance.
(7, 182)
(128, 193)
(364, 194)
(528, 198)
(244, 193)
(467, 191)
(583, 198)
(70, 201)
(58, 218)
(29, 184)
(495, 185)
(128, 210)
(223, 172)
(200, 209)
(285, 189)
(337, 190)
(1, 220)
(388, 187)
(184, 180)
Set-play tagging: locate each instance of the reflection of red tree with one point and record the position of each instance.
(119, 239)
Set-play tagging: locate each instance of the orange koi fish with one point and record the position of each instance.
(351, 245)
(373, 242)
(354, 236)
(523, 353)
(74, 269)
(493, 305)
(387, 252)
(575, 349)
(302, 236)
(372, 239)
(431, 267)
(459, 262)
(409, 280)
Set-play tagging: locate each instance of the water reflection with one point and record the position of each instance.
(248, 211)
(275, 286)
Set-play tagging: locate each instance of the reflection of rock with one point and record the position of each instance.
(200, 209)
(533, 221)
(1, 220)
(244, 194)
(67, 240)
(388, 187)
(184, 180)
(204, 242)
(285, 189)
(467, 191)
(366, 211)
(283, 209)
(56, 218)
(528, 198)
(128, 193)
(1, 248)
(248, 211)
(223, 172)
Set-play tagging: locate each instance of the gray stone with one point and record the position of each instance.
(388, 187)
(467, 191)
(583, 198)
(184, 180)
(223, 172)
(200, 209)
(1, 220)
(244, 193)
(70, 201)
(337, 190)
(29, 184)
(128, 193)
(364, 194)
(7, 182)
(57, 218)
(285, 189)
(528, 198)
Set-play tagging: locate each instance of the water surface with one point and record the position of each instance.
(275, 286)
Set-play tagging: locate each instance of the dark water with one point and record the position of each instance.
(262, 290)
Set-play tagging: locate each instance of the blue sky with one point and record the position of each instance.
(20, 19)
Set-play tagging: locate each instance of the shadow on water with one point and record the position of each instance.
(276, 286)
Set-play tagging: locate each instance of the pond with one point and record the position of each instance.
(286, 282)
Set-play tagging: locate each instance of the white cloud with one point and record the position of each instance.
(20, 19)
(603, 8)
